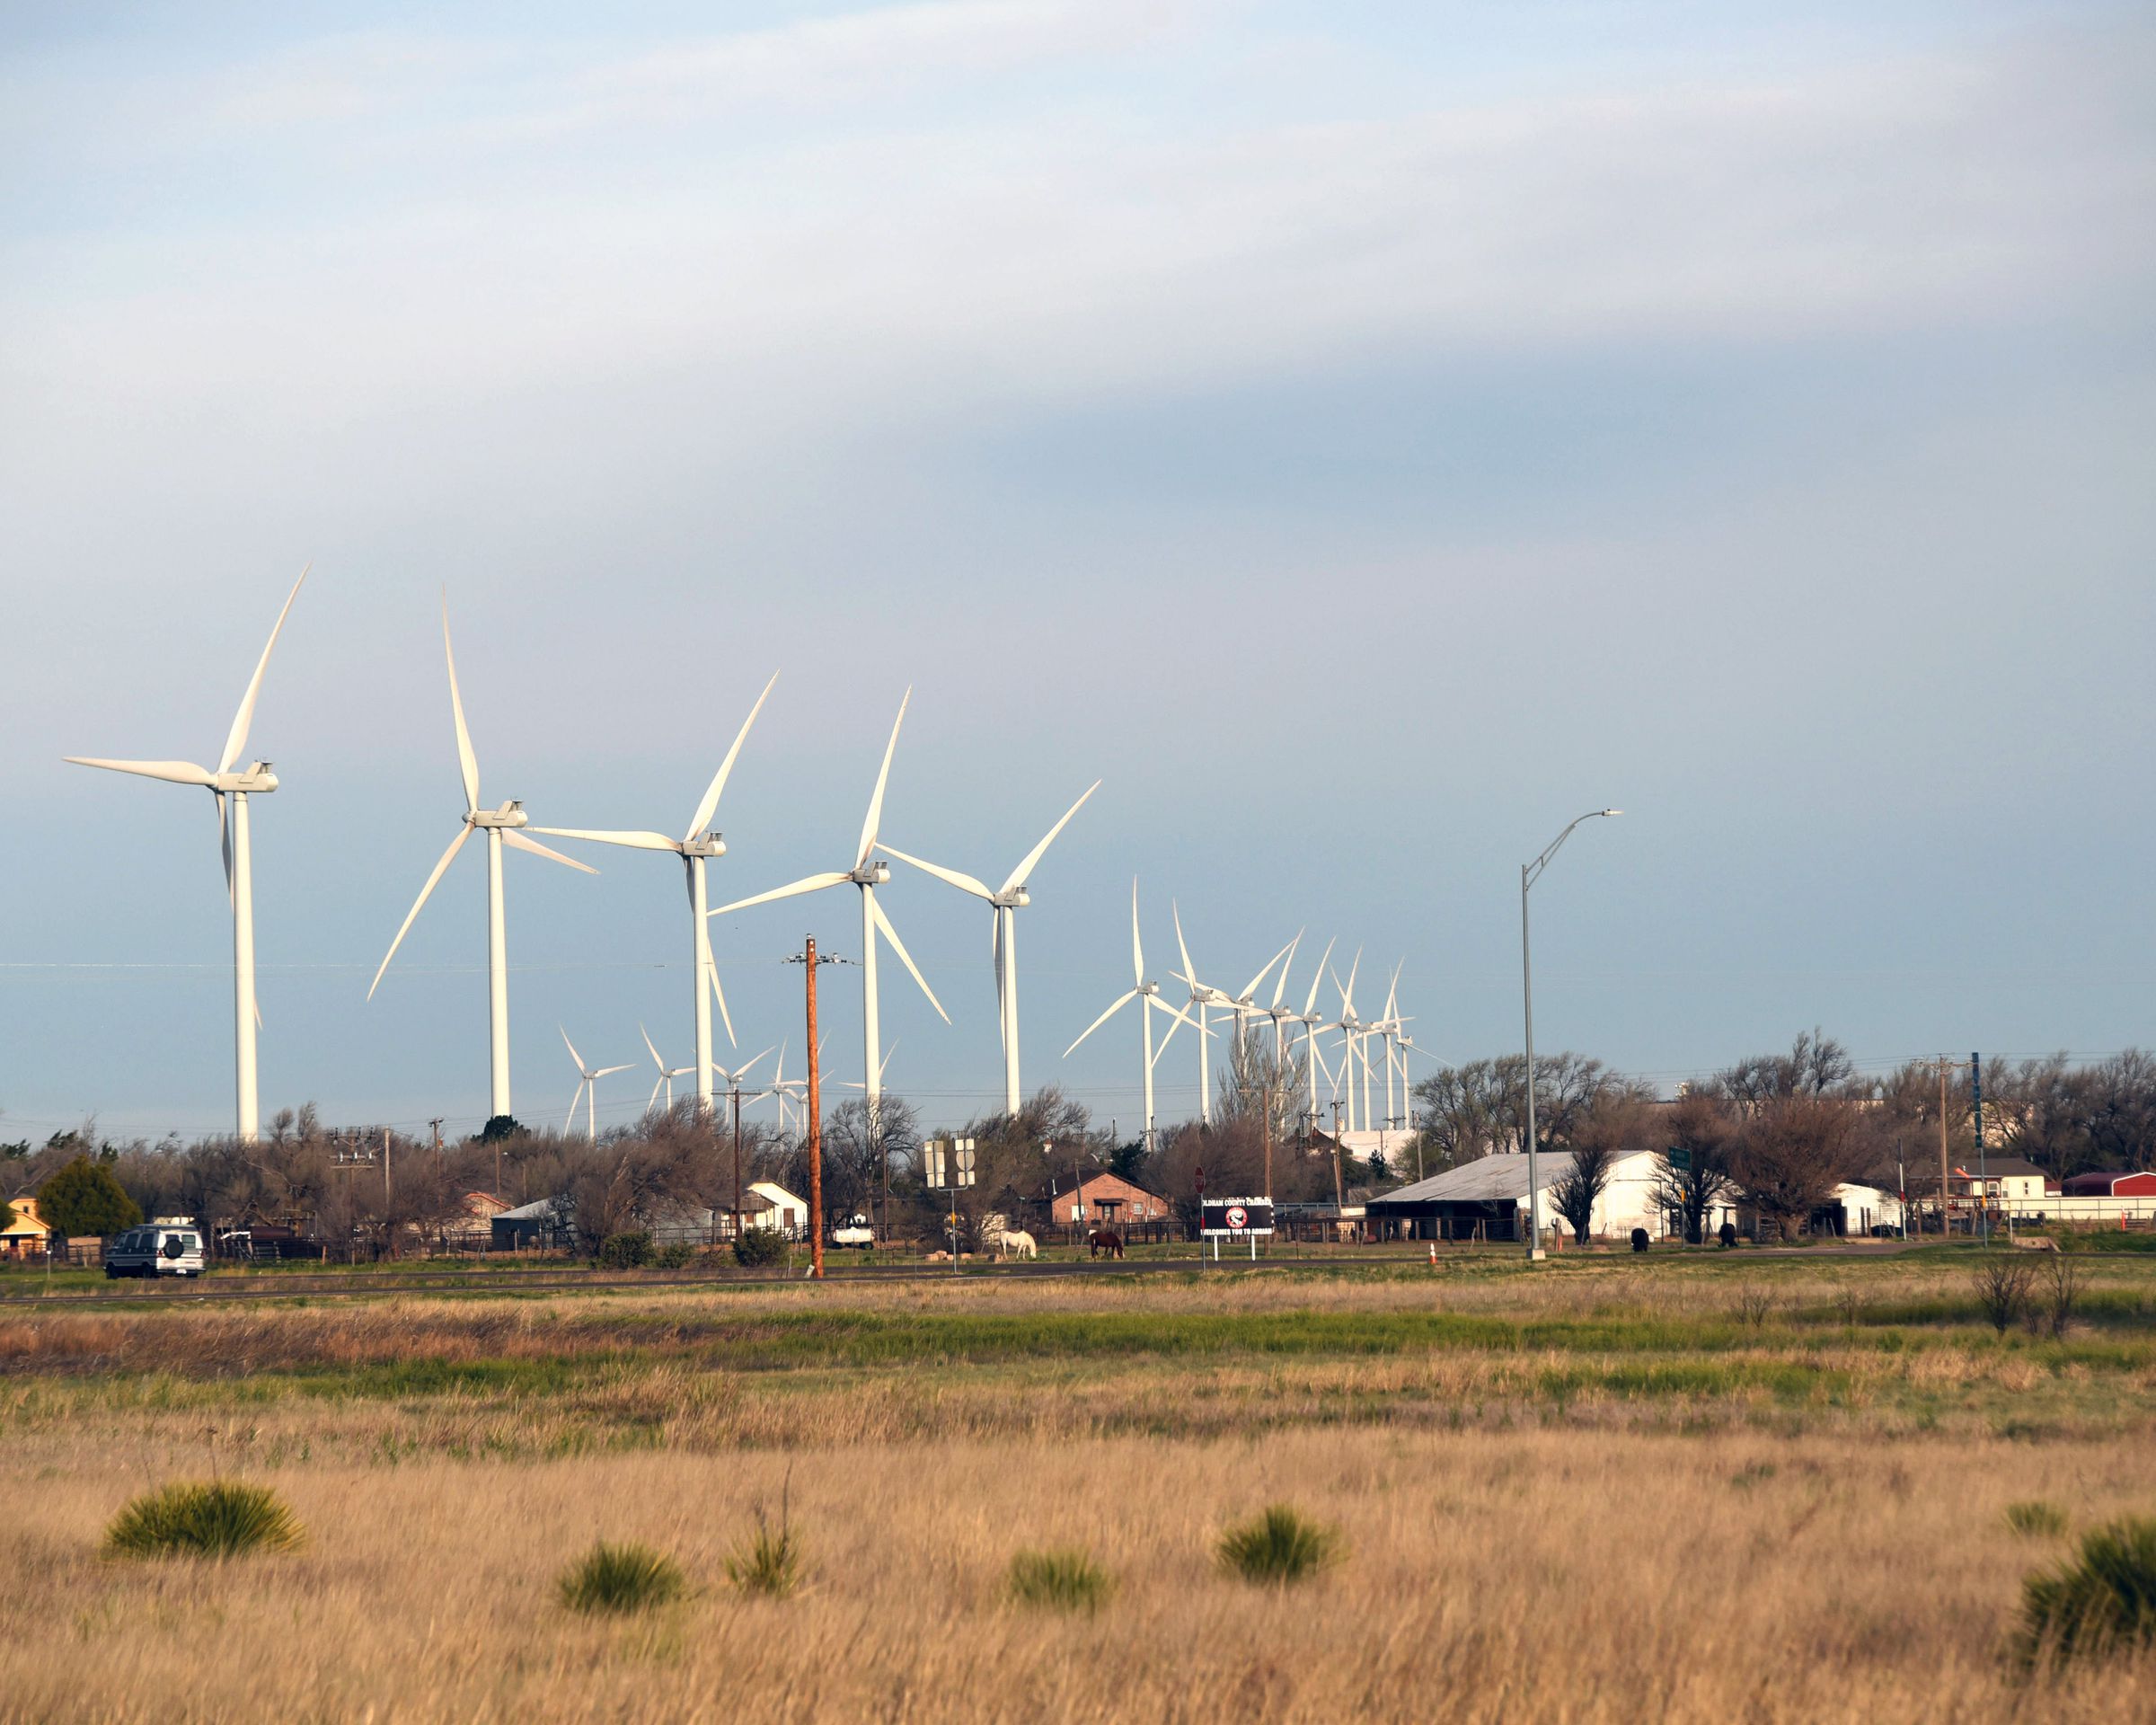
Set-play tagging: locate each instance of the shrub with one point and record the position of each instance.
(630, 1251)
(621, 1578)
(755, 1247)
(2001, 1283)
(1060, 1581)
(2036, 1518)
(2060, 1291)
(221, 1518)
(768, 1562)
(675, 1256)
(2100, 1602)
(1277, 1547)
(1753, 1305)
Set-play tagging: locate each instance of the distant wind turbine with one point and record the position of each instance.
(502, 826)
(230, 792)
(588, 1089)
(869, 872)
(1312, 1021)
(1204, 996)
(1140, 990)
(666, 1074)
(1005, 902)
(698, 847)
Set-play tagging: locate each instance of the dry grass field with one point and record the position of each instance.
(1768, 1490)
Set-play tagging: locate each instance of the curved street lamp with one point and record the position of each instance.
(1530, 872)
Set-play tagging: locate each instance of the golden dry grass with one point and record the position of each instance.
(1801, 1523)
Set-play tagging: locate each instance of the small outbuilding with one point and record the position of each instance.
(1487, 1200)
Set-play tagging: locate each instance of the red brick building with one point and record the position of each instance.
(1106, 1200)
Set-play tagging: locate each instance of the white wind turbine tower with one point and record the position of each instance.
(666, 1074)
(1005, 902)
(1312, 1021)
(696, 848)
(1204, 996)
(1244, 1006)
(588, 1089)
(1142, 990)
(1353, 1027)
(502, 826)
(869, 872)
(230, 791)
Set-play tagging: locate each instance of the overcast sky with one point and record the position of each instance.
(1365, 436)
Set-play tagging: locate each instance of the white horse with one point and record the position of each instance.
(998, 1236)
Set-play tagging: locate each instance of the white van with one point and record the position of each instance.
(161, 1248)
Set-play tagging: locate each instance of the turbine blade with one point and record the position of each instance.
(657, 1084)
(455, 844)
(636, 841)
(225, 840)
(1190, 969)
(1024, 870)
(1181, 1019)
(711, 970)
(573, 1100)
(964, 882)
(608, 1072)
(792, 889)
(656, 1061)
(868, 826)
(1262, 975)
(906, 959)
(710, 805)
(516, 841)
(1137, 952)
(1317, 977)
(1280, 987)
(574, 1055)
(235, 739)
(171, 772)
(1122, 1000)
(467, 763)
(741, 1071)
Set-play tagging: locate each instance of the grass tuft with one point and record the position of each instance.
(621, 1578)
(2036, 1518)
(1277, 1547)
(769, 1563)
(2101, 1601)
(1060, 1581)
(223, 1518)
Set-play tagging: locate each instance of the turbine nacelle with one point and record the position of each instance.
(509, 816)
(875, 872)
(712, 844)
(256, 781)
(1015, 898)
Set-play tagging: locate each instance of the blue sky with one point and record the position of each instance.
(1364, 436)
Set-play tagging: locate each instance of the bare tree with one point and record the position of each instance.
(2002, 1282)
(1791, 1151)
(1692, 1171)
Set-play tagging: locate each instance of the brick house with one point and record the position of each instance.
(1105, 1200)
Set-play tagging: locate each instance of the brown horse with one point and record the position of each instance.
(1104, 1240)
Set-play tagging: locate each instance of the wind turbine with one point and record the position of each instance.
(502, 826)
(869, 872)
(1142, 990)
(1353, 1027)
(1204, 996)
(1245, 1006)
(696, 848)
(587, 1090)
(1312, 1021)
(230, 791)
(666, 1074)
(1006, 901)
(1279, 1014)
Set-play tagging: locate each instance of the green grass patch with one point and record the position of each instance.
(2101, 1601)
(1059, 1580)
(223, 1518)
(1277, 1547)
(618, 1580)
(2036, 1518)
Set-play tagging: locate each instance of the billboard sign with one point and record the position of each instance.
(1235, 1218)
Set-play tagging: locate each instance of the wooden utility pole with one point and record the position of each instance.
(808, 961)
(1339, 1195)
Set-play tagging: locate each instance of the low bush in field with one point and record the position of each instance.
(1061, 1581)
(756, 1247)
(621, 1578)
(630, 1251)
(223, 1518)
(2036, 1518)
(1278, 1547)
(674, 1257)
(2101, 1601)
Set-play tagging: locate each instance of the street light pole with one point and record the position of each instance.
(1530, 872)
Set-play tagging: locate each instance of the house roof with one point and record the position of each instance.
(26, 1219)
(776, 1195)
(1486, 1180)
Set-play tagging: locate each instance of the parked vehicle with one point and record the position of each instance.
(162, 1248)
(856, 1233)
